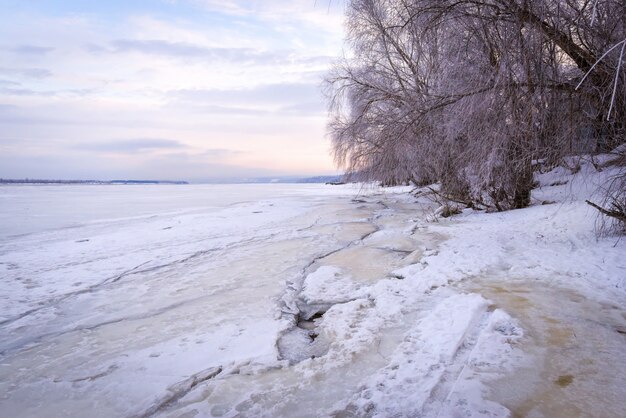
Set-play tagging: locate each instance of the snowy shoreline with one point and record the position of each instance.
(333, 301)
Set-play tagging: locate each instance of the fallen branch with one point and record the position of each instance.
(619, 215)
(444, 198)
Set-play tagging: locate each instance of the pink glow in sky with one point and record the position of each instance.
(168, 89)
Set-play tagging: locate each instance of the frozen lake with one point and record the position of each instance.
(34, 208)
(122, 299)
(300, 301)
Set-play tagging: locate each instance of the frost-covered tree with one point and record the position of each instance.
(469, 92)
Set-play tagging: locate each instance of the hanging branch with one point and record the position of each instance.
(619, 66)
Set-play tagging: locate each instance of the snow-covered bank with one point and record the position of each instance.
(330, 301)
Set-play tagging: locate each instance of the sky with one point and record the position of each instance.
(165, 89)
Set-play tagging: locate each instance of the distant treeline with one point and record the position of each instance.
(42, 181)
(277, 180)
(287, 179)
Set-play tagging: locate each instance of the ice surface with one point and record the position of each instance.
(117, 311)
(328, 285)
(305, 301)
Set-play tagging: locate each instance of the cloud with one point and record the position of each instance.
(317, 60)
(4, 107)
(219, 153)
(268, 94)
(161, 47)
(8, 84)
(186, 50)
(12, 91)
(199, 167)
(211, 109)
(131, 145)
(38, 73)
(277, 99)
(51, 165)
(305, 108)
(144, 92)
(323, 15)
(31, 50)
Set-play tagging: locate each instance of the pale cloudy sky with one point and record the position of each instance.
(167, 89)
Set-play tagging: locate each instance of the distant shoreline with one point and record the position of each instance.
(337, 179)
(97, 182)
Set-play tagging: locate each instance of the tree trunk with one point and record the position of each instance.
(523, 188)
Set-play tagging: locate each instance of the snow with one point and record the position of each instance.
(283, 300)
(328, 285)
(417, 365)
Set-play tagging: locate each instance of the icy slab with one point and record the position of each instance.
(329, 284)
(492, 356)
(422, 361)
